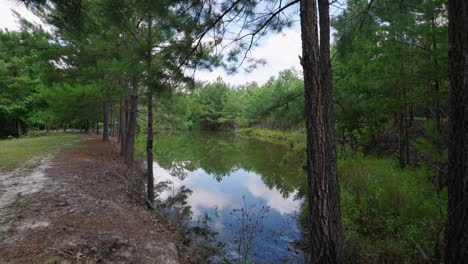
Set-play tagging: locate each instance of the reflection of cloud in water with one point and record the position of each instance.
(218, 226)
(208, 198)
(272, 196)
(202, 197)
(208, 195)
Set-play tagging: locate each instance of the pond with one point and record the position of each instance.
(247, 192)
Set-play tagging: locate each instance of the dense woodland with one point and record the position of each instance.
(124, 69)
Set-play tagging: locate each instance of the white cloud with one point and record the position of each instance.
(272, 196)
(8, 19)
(201, 197)
(280, 51)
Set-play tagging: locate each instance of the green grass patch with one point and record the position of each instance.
(14, 152)
(294, 139)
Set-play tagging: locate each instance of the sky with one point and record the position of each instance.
(280, 50)
(8, 19)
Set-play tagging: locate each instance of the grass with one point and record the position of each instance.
(294, 139)
(388, 210)
(14, 152)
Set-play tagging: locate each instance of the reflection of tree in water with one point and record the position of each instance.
(221, 154)
(248, 233)
(179, 169)
(196, 232)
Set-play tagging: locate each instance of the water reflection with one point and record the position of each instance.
(226, 174)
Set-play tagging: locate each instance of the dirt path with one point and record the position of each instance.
(82, 206)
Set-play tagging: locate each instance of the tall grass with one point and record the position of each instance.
(389, 212)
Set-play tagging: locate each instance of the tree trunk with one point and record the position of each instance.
(403, 127)
(105, 125)
(19, 130)
(457, 222)
(123, 125)
(149, 135)
(326, 234)
(97, 128)
(131, 124)
(111, 122)
(436, 84)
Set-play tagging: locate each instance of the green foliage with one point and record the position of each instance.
(209, 103)
(388, 60)
(294, 139)
(78, 105)
(276, 104)
(387, 210)
(22, 61)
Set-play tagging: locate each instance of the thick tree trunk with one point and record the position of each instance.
(105, 126)
(326, 234)
(457, 222)
(131, 124)
(149, 135)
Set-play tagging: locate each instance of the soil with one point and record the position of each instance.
(82, 206)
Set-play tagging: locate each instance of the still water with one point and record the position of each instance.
(249, 191)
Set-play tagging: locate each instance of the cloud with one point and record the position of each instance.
(202, 197)
(8, 19)
(280, 50)
(272, 196)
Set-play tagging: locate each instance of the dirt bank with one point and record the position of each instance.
(81, 206)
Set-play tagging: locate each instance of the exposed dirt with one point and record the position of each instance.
(83, 206)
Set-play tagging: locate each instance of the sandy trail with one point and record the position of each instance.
(81, 206)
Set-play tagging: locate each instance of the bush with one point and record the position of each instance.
(387, 210)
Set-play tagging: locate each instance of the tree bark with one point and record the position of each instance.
(112, 130)
(457, 222)
(149, 135)
(436, 84)
(401, 139)
(19, 130)
(131, 124)
(123, 125)
(105, 126)
(326, 233)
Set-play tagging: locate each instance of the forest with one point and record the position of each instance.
(363, 152)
